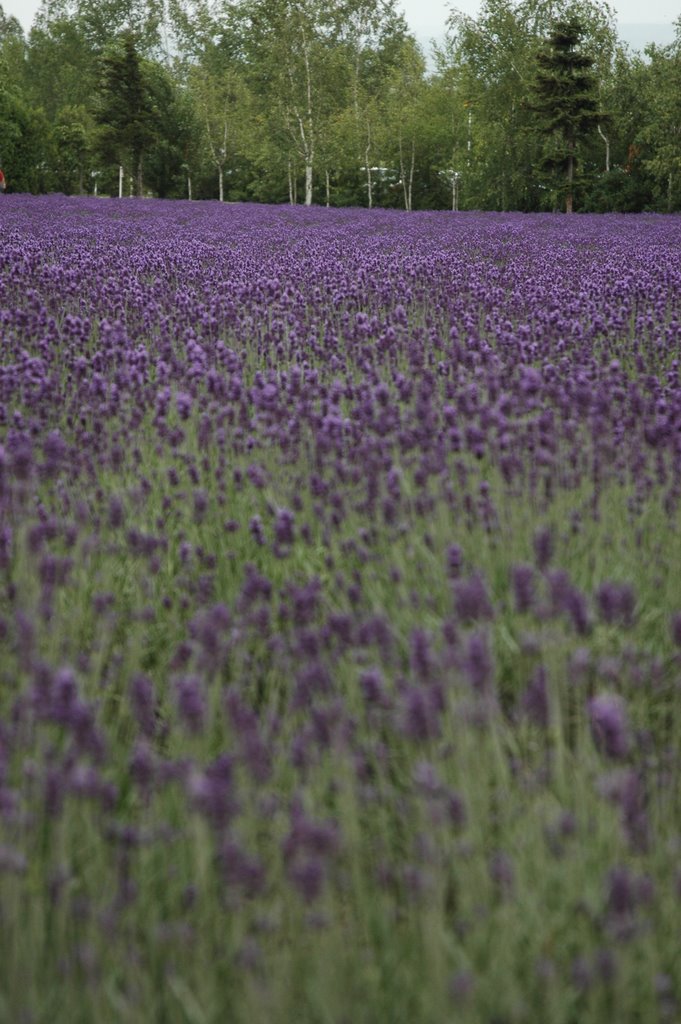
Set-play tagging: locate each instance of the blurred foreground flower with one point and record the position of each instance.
(610, 724)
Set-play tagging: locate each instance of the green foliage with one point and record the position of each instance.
(12, 54)
(73, 139)
(61, 67)
(27, 154)
(661, 134)
(298, 100)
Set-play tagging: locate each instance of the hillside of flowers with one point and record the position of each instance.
(340, 615)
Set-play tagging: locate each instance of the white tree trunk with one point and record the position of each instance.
(606, 140)
(120, 181)
(367, 164)
(292, 184)
(411, 174)
(308, 183)
(403, 176)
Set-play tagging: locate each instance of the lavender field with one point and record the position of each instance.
(340, 616)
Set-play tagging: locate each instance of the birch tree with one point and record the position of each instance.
(288, 44)
(222, 105)
(405, 94)
(373, 33)
(661, 135)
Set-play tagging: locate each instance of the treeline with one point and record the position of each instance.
(533, 105)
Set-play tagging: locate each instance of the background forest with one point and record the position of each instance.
(534, 105)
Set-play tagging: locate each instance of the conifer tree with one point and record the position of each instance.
(565, 102)
(125, 110)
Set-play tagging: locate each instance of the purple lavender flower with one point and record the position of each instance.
(183, 403)
(420, 719)
(191, 702)
(284, 533)
(478, 664)
(522, 578)
(502, 872)
(55, 451)
(625, 788)
(544, 546)
(257, 530)
(20, 450)
(616, 602)
(577, 608)
(454, 560)
(610, 724)
(212, 791)
(143, 701)
(621, 891)
(240, 869)
(307, 876)
(676, 628)
(200, 505)
(422, 658)
(471, 599)
(142, 766)
(534, 702)
(373, 688)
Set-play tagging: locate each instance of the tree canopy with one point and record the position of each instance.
(530, 105)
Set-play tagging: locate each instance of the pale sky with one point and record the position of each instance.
(427, 18)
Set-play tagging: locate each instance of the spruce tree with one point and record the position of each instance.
(565, 102)
(125, 109)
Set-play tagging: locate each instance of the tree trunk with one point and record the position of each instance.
(308, 181)
(470, 135)
(570, 178)
(411, 173)
(606, 140)
(189, 186)
(221, 184)
(307, 124)
(403, 177)
(120, 181)
(328, 188)
(367, 165)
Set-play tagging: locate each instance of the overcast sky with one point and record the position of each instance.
(432, 14)
(427, 18)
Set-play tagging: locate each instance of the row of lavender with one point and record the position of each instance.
(339, 614)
